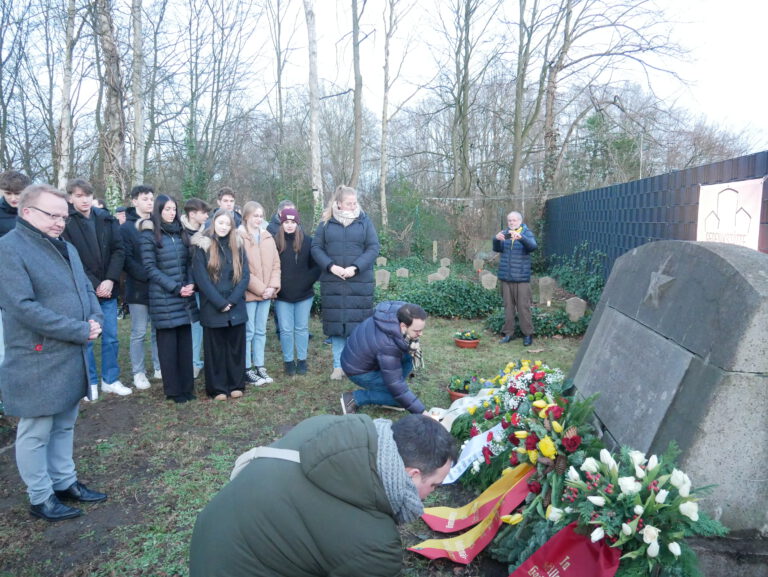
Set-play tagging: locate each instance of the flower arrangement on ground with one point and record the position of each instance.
(467, 335)
(468, 384)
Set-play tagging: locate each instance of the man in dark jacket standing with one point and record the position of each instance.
(515, 243)
(96, 236)
(377, 357)
(50, 314)
(324, 500)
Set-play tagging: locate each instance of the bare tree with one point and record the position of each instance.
(358, 100)
(137, 93)
(314, 105)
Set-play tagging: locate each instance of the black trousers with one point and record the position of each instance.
(224, 352)
(174, 348)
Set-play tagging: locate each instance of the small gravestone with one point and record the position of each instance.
(445, 262)
(575, 307)
(402, 273)
(434, 251)
(382, 278)
(546, 290)
(478, 264)
(488, 280)
(434, 277)
(381, 261)
(445, 271)
(677, 351)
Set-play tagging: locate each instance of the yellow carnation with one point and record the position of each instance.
(557, 427)
(533, 456)
(472, 410)
(547, 447)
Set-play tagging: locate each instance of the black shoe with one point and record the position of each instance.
(290, 368)
(53, 510)
(527, 340)
(301, 367)
(79, 492)
(191, 397)
(506, 339)
(348, 404)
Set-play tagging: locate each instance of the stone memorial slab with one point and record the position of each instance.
(677, 350)
(381, 261)
(434, 277)
(445, 271)
(445, 262)
(576, 308)
(489, 280)
(402, 273)
(546, 289)
(382, 278)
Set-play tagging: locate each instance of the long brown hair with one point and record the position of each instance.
(298, 239)
(214, 253)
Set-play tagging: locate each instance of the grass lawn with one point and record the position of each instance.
(161, 462)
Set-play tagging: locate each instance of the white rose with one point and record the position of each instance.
(597, 534)
(661, 496)
(573, 474)
(637, 458)
(674, 548)
(678, 478)
(638, 509)
(650, 534)
(639, 473)
(653, 549)
(626, 529)
(629, 485)
(590, 465)
(598, 501)
(653, 462)
(690, 509)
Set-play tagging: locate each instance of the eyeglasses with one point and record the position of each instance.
(53, 217)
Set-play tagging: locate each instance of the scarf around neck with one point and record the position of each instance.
(345, 217)
(402, 494)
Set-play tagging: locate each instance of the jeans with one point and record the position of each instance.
(256, 332)
(44, 453)
(139, 325)
(110, 370)
(2, 339)
(294, 328)
(375, 392)
(337, 345)
(197, 339)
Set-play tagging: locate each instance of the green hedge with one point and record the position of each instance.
(546, 323)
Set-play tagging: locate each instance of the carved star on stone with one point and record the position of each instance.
(657, 285)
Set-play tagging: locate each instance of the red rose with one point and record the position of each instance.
(515, 419)
(474, 431)
(571, 443)
(488, 415)
(504, 423)
(38, 348)
(539, 375)
(489, 437)
(530, 442)
(514, 440)
(532, 389)
(513, 459)
(496, 410)
(487, 455)
(534, 487)
(555, 412)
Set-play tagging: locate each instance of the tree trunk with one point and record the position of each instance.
(314, 104)
(65, 130)
(358, 96)
(137, 151)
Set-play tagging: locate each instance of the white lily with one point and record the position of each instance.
(597, 534)
(674, 548)
(573, 474)
(653, 549)
(639, 473)
(661, 496)
(626, 529)
(690, 509)
(653, 462)
(608, 461)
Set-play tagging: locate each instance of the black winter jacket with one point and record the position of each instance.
(136, 281)
(378, 345)
(104, 261)
(168, 269)
(8, 215)
(298, 271)
(216, 296)
(515, 261)
(346, 302)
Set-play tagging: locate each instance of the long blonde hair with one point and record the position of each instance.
(214, 253)
(340, 193)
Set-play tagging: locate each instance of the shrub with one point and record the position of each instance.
(449, 298)
(581, 273)
(546, 323)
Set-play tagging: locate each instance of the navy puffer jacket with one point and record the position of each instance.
(346, 303)
(515, 261)
(378, 345)
(168, 269)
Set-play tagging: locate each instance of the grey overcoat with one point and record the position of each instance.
(46, 304)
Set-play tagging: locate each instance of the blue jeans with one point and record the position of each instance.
(256, 332)
(197, 339)
(294, 328)
(140, 324)
(44, 453)
(337, 345)
(110, 370)
(375, 392)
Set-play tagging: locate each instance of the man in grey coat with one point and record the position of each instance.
(50, 314)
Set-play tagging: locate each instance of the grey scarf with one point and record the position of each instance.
(401, 492)
(345, 217)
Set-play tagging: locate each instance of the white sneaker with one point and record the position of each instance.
(140, 381)
(158, 374)
(117, 387)
(196, 372)
(262, 372)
